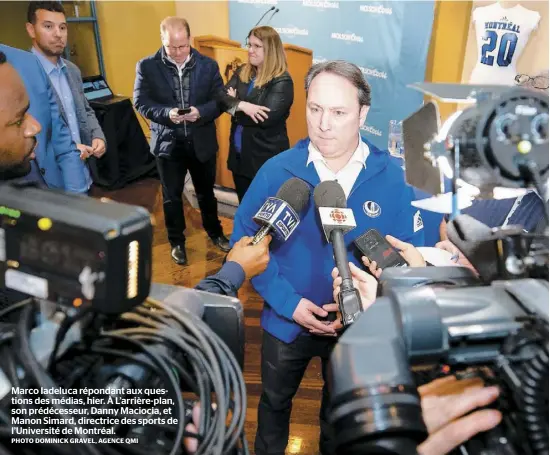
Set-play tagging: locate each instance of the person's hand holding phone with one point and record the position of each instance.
(175, 116)
(191, 114)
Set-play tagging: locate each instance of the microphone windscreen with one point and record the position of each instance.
(295, 192)
(330, 194)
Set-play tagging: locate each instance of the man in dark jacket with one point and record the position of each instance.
(175, 89)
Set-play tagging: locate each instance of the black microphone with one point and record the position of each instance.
(280, 215)
(260, 20)
(337, 219)
(271, 17)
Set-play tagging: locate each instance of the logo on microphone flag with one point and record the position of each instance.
(279, 215)
(338, 216)
(335, 218)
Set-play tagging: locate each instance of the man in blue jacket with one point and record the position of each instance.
(176, 89)
(58, 162)
(297, 284)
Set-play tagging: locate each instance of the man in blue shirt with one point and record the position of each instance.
(47, 27)
(57, 164)
(296, 284)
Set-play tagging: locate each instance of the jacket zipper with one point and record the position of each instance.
(180, 72)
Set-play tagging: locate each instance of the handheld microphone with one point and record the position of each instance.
(272, 14)
(260, 20)
(279, 215)
(337, 219)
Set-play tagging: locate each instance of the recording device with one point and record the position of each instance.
(118, 349)
(376, 248)
(493, 326)
(337, 219)
(74, 250)
(187, 110)
(280, 215)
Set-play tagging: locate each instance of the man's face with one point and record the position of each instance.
(333, 115)
(49, 32)
(17, 127)
(177, 44)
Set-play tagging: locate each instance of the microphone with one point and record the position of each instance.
(337, 219)
(260, 20)
(272, 14)
(279, 215)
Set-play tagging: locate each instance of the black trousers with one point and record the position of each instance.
(172, 172)
(283, 366)
(241, 185)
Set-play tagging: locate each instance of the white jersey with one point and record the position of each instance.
(502, 34)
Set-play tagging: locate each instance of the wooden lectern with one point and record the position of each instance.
(229, 54)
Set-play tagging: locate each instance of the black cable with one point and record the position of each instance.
(64, 328)
(169, 379)
(15, 306)
(32, 367)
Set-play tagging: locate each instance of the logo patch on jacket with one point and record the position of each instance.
(417, 222)
(372, 209)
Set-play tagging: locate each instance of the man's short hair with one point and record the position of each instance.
(53, 6)
(3, 58)
(174, 23)
(344, 69)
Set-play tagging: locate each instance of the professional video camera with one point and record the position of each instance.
(95, 341)
(449, 320)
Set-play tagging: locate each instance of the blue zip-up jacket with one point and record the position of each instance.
(301, 266)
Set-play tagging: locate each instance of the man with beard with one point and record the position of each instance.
(57, 164)
(18, 129)
(47, 27)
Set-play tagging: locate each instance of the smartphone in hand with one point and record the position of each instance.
(187, 110)
(376, 248)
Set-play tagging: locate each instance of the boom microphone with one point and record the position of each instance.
(279, 215)
(337, 219)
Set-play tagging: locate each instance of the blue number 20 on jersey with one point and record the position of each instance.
(506, 48)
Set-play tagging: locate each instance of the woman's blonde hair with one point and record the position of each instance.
(274, 64)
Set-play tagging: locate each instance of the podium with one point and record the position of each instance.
(230, 55)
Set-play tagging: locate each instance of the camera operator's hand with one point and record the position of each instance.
(366, 285)
(460, 259)
(252, 258)
(191, 444)
(448, 417)
(304, 314)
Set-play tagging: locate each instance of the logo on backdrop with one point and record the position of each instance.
(371, 130)
(375, 9)
(292, 31)
(259, 2)
(318, 60)
(349, 37)
(321, 4)
(373, 72)
(372, 209)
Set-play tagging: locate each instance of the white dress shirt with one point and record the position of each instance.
(346, 176)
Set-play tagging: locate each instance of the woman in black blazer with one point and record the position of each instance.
(259, 97)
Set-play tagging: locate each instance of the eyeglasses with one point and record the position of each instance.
(178, 48)
(540, 82)
(254, 46)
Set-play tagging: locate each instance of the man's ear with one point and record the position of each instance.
(30, 30)
(363, 114)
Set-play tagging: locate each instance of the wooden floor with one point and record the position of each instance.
(205, 259)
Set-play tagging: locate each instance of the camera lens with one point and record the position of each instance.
(374, 420)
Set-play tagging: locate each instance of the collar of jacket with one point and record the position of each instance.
(295, 163)
(161, 54)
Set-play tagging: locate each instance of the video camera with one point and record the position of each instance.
(91, 353)
(451, 321)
